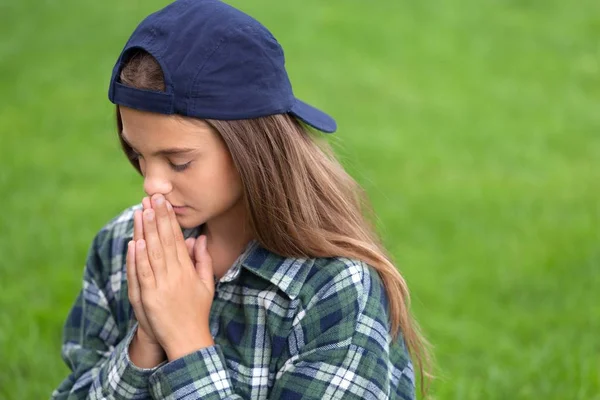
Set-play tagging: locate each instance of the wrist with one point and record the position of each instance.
(182, 348)
(144, 354)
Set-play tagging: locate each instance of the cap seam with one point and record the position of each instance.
(254, 28)
(159, 59)
(208, 57)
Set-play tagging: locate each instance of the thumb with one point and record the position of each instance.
(204, 266)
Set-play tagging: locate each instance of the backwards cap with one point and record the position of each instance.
(218, 63)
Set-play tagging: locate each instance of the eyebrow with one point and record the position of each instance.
(171, 151)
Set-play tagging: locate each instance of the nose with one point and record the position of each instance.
(156, 182)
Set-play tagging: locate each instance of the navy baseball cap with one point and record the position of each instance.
(218, 63)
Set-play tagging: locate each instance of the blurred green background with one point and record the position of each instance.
(474, 125)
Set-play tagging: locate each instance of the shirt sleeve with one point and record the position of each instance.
(342, 350)
(199, 375)
(93, 349)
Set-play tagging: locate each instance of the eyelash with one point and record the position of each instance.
(176, 167)
(180, 167)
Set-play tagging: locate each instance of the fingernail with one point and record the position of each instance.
(141, 244)
(169, 207)
(159, 200)
(149, 214)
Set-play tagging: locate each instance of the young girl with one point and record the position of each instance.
(249, 271)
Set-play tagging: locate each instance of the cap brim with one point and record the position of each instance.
(313, 117)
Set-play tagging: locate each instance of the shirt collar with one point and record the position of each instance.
(287, 273)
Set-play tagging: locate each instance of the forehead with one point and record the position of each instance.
(141, 128)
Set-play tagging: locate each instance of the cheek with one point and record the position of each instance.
(214, 182)
(229, 182)
(234, 178)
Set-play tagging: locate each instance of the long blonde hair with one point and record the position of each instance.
(300, 200)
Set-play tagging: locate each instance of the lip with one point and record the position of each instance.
(179, 209)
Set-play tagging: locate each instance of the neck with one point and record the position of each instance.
(227, 237)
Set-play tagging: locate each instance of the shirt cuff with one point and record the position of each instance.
(125, 378)
(202, 373)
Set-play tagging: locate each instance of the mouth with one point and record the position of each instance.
(179, 209)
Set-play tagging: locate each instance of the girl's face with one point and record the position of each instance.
(187, 161)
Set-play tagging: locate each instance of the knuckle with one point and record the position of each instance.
(168, 242)
(155, 254)
(136, 304)
(135, 301)
(178, 235)
(146, 273)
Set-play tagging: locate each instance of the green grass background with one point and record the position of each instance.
(474, 125)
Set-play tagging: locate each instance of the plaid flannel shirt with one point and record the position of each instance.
(284, 328)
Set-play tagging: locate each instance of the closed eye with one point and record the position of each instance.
(134, 156)
(179, 167)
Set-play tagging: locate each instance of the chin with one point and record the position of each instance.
(187, 222)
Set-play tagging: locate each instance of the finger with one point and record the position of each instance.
(189, 243)
(154, 249)
(144, 271)
(165, 230)
(133, 285)
(138, 227)
(204, 266)
(146, 203)
(180, 242)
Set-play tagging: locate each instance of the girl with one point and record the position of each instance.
(249, 271)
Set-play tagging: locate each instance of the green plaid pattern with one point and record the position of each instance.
(284, 328)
